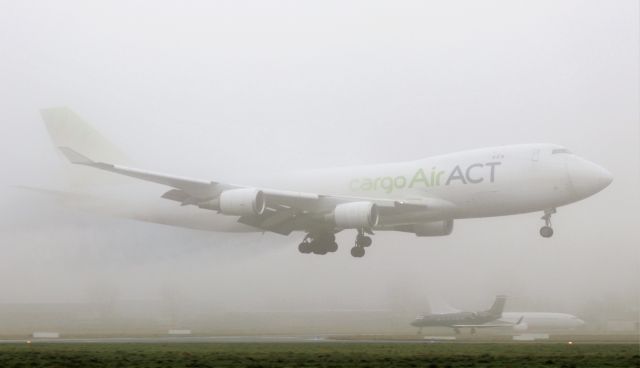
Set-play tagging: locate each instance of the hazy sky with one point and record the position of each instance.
(237, 90)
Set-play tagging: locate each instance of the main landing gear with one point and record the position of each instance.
(362, 241)
(547, 231)
(318, 243)
(323, 242)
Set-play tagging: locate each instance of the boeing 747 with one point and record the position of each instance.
(423, 197)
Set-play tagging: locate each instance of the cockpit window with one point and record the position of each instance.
(560, 150)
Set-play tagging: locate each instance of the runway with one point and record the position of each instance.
(345, 339)
(170, 339)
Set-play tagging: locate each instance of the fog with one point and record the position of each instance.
(238, 91)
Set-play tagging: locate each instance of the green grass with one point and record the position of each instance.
(319, 355)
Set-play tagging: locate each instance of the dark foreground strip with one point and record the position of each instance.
(319, 355)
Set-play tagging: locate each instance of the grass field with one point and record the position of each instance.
(319, 355)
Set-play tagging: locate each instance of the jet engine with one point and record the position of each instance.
(435, 228)
(242, 202)
(356, 215)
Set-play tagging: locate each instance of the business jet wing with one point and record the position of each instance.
(484, 325)
(491, 325)
(282, 207)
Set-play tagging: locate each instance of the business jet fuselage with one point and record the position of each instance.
(540, 321)
(423, 196)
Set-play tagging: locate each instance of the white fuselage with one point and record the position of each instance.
(485, 182)
(538, 321)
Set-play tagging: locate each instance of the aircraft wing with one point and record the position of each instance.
(484, 325)
(191, 187)
(491, 325)
(285, 210)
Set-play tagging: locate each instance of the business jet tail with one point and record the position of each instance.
(498, 306)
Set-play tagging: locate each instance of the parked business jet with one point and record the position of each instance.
(494, 318)
(422, 197)
(459, 319)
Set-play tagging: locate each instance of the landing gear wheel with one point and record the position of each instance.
(546, 231)
(357, 252)
(318, 243)
(305, 247)
(320, 251)
(363, 241)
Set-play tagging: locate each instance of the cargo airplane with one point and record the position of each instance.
(423, 197)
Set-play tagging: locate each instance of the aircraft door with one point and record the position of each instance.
(536, 155)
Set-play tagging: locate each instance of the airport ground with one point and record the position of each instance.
(137, 336)
(319, 354)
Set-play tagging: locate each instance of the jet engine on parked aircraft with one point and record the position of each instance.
(435, 228)
(242, 202)
(356, 215)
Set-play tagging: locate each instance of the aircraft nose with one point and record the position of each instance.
(587, 178)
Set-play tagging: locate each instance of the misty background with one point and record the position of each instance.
(240, 90)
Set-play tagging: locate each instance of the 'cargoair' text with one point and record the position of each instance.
(472, 174)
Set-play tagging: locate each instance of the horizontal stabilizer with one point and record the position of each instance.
(75, 157)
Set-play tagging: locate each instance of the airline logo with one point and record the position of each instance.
(473, 174)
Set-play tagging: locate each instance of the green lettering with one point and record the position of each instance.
(387, 184)
(366, 184)
(375, 183)
(419, 177)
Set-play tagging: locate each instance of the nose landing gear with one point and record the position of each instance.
(547, 231)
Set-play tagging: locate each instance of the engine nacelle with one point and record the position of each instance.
(435, 228)
(356, 215)
(242, 202)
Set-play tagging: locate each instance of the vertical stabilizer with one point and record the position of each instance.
(498, 306)
(67, 129)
